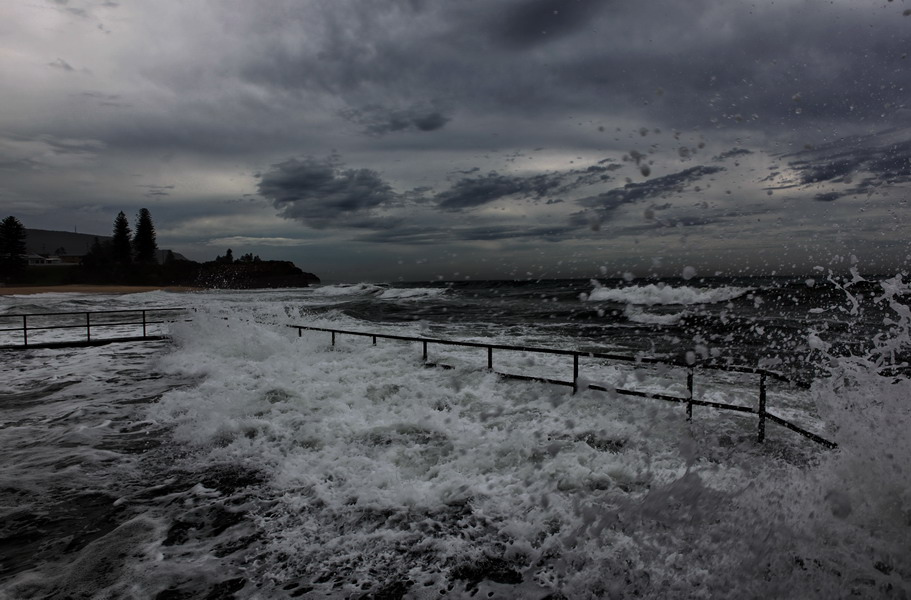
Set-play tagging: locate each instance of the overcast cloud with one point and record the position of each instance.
(410, 139)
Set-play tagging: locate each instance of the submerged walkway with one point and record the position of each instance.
(81, 329)
(26, 331)
(690, 399)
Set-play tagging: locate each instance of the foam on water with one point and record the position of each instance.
(412, 293)
(637, 315)
(653, 294)
(358, 289)
(279, 466)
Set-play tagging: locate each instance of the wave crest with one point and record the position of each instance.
(653, 294)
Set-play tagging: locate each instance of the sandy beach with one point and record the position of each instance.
(91, 289)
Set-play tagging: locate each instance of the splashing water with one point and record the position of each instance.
(282, 467)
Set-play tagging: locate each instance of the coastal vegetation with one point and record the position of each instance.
(131, 256)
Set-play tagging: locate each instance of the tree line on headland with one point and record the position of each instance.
(131, 257)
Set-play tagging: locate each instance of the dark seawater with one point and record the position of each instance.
(747, 321)
(241, 461)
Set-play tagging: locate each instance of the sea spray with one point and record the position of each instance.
(286, 466)
(843, 524)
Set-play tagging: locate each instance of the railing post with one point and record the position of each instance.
(143, 323)
(374, 340)
(761, 434)
(25, 330)
(689, 389)
(575, 372)
(333, 339)
(88, 327)
(300, 332)
(424, 356)
(489, 358)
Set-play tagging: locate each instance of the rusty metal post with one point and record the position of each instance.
(762, 399)
(689, 389)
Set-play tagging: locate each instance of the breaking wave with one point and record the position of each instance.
(412, 293)
(652, 294)
(637, 315)
(356, 289)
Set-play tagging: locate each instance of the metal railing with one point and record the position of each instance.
(689, 399)
(89, 321)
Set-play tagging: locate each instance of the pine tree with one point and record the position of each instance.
(144, 244)
(121, 247)
(12, 248)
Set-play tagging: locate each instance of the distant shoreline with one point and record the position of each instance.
(10, 290)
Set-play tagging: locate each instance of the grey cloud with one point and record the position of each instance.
(477, 191)
(408, 235)
(885, 155)
(602, 206)
(495, 233)
(470, 192)
(412, 235)
(321, 193)
(733, 152)
(468, 171)
(107, 99)
(61, 64)
(153, 190)
(827, 197)
(379, 120)
(531, 22)
(667, 62)
(653, 188)
(594, 174)
(42, 152)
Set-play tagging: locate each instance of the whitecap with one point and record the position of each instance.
(653, 294)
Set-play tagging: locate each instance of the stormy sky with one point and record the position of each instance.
(418, 139)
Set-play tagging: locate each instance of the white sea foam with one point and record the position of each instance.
(637, 315)
(653, 294)
(357, 289)
(374, 471)
(412, 293)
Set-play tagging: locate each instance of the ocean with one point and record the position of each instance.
(237, 459)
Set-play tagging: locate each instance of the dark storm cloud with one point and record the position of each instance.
(495, 233)
(419, 236)
(827, 197)
(772, 66)
(778, 67)
(602, 206)
(321, 193)
(471, 192)
(437, 85)
(477, 191)
(531, 22)
(153, 190)
(861, 162)
(592, 175)
(732, 153)
(654, 188)
(379, 120)
(46, 150)
(410, 235)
